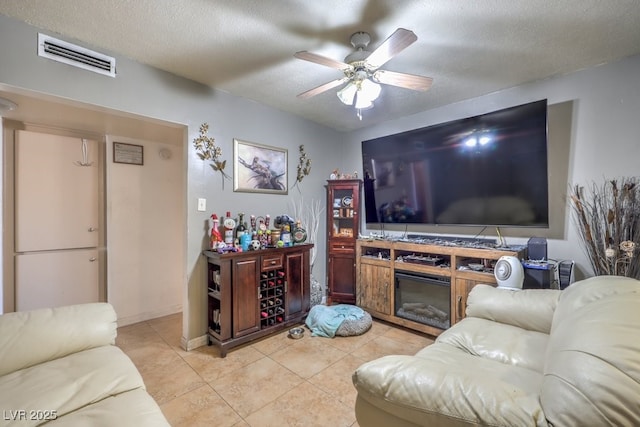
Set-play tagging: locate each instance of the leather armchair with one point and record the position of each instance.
(519, 358)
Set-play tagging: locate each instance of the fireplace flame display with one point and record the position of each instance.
(423, 298)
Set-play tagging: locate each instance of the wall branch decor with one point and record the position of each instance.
(208, 150)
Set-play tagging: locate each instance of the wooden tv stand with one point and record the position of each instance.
(377, 261)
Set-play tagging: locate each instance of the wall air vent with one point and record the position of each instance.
(61, 51)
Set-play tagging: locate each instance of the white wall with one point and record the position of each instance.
(148, 92)
(603, 141)
(145, 233)
(604, 131)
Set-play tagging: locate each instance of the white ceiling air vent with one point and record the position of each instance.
(61, 51)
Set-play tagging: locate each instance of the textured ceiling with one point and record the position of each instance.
(246, 47)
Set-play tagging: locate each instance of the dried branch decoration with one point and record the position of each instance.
(304, 166)
(608, 221)
(208, 150)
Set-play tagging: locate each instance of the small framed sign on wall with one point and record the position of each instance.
(128, 153)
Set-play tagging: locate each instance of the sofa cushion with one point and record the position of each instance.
(530, 309)
(438, 384)
(132, 408)
(53, 333)
(497, 341)
(70, 383)
(592, 370)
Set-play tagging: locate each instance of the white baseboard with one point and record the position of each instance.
(129, 320)
(188, 345)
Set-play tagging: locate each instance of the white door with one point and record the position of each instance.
(56, 278)
(56, 192)
(56, 220)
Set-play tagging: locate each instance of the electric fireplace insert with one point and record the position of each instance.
(423, 298)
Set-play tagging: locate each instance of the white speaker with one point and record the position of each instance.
(509, 273)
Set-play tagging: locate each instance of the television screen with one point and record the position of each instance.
(487, 170)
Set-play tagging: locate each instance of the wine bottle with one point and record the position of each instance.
(229, 224)
(241, 228)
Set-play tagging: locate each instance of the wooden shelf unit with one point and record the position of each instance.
(256, 293)
(343, 222)
(378, 260)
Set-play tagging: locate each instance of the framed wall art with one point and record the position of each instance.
(128, 153)
(259, 168)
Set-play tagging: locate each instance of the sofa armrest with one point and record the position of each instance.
(530, 309)
(32, 337)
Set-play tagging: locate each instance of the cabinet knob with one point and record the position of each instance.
(92, 259)
(92, 229)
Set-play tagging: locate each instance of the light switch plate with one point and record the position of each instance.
(202, 205)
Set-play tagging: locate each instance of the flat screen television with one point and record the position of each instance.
(487, 170)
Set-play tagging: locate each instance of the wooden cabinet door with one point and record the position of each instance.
(246, 307)
(374, 293)
(461, 290)
(342, 273)
(297, 299)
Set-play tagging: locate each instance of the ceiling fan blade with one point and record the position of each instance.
(322, 88)
(396, 43)
(408, 81)
(322, 60)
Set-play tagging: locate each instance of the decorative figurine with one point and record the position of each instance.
(216, 237)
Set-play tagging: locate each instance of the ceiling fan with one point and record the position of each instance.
(362, 73)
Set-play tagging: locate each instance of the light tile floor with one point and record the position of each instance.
(276, 381)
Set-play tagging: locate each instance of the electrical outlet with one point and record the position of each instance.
(202, 205)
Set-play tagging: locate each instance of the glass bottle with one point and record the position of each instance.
(241, 228)
(299, 233)
(229, 224)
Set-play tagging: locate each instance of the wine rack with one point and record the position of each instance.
(253, 294)
(214, 298)
(272, 297)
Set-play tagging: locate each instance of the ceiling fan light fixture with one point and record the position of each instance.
(369, 90)
(362, 102)
(348, 93)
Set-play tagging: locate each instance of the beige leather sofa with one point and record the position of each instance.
(519, 358)
(60, 367)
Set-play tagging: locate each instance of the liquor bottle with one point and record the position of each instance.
(229, 225)
(216, 237)
(241, 228)
(299, 233)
